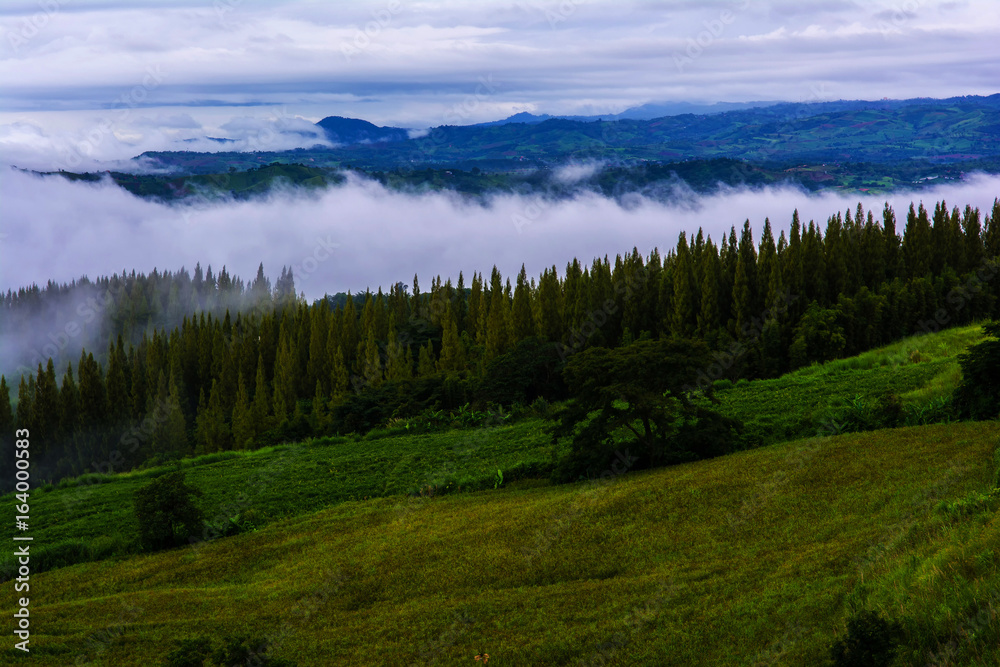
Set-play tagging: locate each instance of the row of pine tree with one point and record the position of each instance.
(222, 380)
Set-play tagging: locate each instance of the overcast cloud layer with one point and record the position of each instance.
(360, 235)
(89, 84)
(110, 78)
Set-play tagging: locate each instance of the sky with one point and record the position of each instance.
(107, 79)
(89, 84)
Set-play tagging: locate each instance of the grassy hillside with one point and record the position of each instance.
(749, 559)
(288, 480)
(921, 370)
(754, 558)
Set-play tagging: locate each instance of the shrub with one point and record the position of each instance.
(166, 512)
(937, 411)
(871, 641)
(237, 651)
(61, 554)
(108, 545)
(891, 409)
(189, 653)
(529, 470)
(67, 553)
(245, 522)
(817, 337)
(540, 407)
(975, 503)
(374, 406)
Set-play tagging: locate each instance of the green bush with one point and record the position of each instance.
(522, 470)
(108, 546)
(61, 554)
(238, 651)
(639, 396)
(937, 411)
(69, 552)
(189, 653)
(166, 512)
(975, 503)
(871, 641)
(245, 522)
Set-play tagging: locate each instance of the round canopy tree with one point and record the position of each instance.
(166, 512)
(642, 393)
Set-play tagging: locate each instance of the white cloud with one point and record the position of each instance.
(408, 63)
(95, 141)
(361, 235)
(575, 172)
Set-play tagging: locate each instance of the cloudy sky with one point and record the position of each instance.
(99, 81)
(110, 78)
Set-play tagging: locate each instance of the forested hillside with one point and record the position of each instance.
(884, 132)
(198, 365)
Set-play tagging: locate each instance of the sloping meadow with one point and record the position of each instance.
(753, 558)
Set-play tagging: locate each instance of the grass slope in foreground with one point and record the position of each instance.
(747, 559)
(91, 518)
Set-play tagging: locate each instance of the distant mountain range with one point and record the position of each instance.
(350, 130)
(643, 112)
(923, 131)
(344, 131)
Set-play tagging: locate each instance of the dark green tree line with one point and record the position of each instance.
(246, 377)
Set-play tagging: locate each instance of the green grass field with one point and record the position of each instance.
(748, 558)
(756, 558)
(93, 514)
(803, 403)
